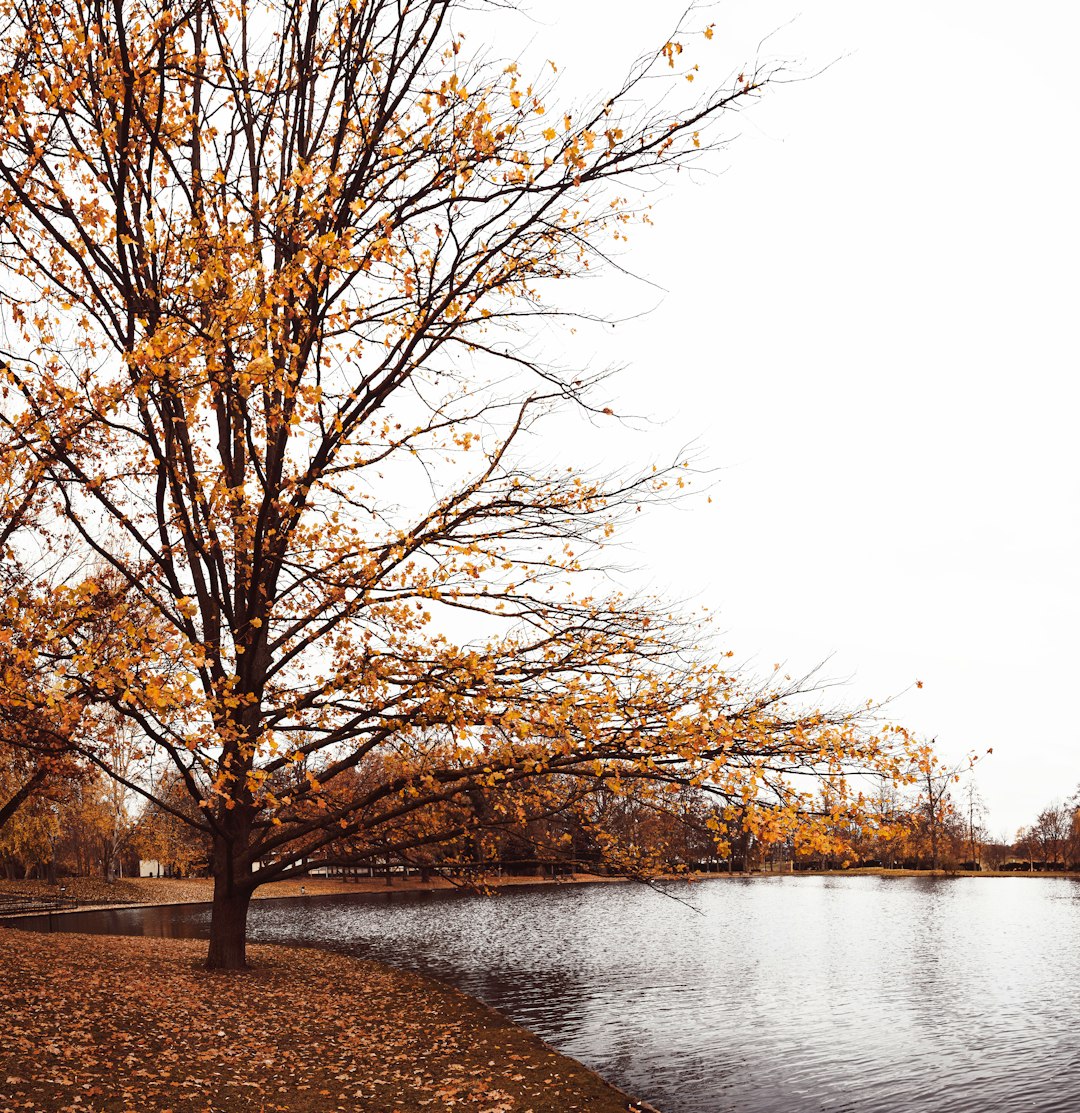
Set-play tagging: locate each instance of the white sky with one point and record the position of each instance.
(869, 329)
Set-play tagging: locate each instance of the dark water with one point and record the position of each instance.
(779, 995)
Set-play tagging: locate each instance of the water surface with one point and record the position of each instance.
(771, 995)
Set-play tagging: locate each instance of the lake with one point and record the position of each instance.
(764, 995)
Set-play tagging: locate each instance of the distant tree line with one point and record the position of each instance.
(947, 829)
(89, 824)
(1052, 842)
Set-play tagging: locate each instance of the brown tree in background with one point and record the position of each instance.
(935, 782)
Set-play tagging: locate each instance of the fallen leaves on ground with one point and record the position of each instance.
(119, 1025)
(125, 890)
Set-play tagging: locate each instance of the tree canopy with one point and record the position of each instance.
(272, 271)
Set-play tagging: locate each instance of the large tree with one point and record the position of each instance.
(271, 272)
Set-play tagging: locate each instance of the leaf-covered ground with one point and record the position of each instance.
(157, 890)
(125, 890)
(131, 1024)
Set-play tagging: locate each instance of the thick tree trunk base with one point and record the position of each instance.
(228, 931)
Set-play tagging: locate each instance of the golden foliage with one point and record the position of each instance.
(270, 265)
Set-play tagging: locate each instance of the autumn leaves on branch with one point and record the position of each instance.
(270, 272)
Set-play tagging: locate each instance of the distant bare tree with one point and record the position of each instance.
(1050, 832)
(974, 817)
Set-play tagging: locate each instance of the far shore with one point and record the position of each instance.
(89, 894)
(882, 871)
(94, 893)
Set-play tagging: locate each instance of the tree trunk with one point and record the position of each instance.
(228, 929)
(232, 895)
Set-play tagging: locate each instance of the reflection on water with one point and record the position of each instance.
(905, 995)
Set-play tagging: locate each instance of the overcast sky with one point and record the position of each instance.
(868, 324)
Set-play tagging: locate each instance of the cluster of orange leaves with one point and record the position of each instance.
(238, 278)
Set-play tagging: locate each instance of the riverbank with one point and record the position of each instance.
(90, 892)
(105, 1023)
(881, 871)
(93, 893)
